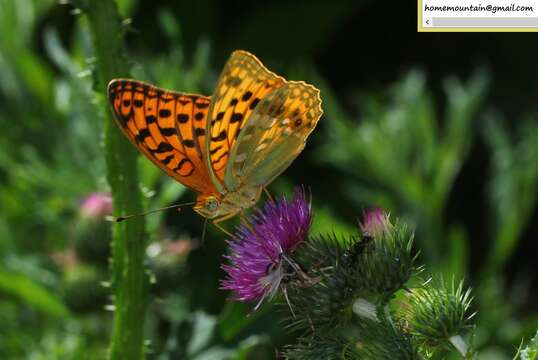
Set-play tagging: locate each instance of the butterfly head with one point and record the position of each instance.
(208, 206)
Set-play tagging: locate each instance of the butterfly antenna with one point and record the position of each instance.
(176, 206)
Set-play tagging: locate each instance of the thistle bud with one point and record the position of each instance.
(96, 205)
(375, 223)
(93, 235)
(437, 315)
(386, 263)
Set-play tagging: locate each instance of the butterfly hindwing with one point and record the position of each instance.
(168, 127)
(274, 135)
(243, 84)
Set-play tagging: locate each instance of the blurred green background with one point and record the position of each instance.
(439, 129)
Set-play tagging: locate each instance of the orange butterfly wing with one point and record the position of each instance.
(168, 127)
(243, 83)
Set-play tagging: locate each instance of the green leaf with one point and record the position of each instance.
(235, 318)
(31, 293)
(246, 346)
(202, 332)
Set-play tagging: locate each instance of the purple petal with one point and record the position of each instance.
(259, 244)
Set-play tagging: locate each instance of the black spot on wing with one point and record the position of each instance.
(254, 103)
(182, 118)
(164, 113)
(167, 159)
(220, 137)
(202, 105)
(220, 157)
(168, 131)
(188, 143)
(142, 134)
(215, 149)
(236, 117)
(182, 163)
(163, 147)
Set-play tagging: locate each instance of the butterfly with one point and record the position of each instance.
(227, 147)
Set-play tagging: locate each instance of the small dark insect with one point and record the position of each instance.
(352, 254)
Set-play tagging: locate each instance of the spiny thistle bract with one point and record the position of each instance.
(337, 292)
(383, 340)
(437, 312)
(325, 301)
(328, 347)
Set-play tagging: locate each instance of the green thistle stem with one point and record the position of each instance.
(129, 280)
(459, 344)
(388, 317)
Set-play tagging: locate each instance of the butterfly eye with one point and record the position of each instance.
(211, 204)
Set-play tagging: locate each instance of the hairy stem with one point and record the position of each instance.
(129, 279)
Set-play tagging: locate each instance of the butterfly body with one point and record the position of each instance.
(226, 147)
(228, 205)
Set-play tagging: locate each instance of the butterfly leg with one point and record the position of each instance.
(285, 291)
(222, 218)
(268, 195)
(222, 229)
(243, 219)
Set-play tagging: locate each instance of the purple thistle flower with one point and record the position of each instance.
(375, 223)
(260, 249)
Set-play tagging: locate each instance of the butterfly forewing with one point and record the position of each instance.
(168, 127)
(243, 84)
(274, 135)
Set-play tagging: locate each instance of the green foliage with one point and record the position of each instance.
(513, 183)
(399, 158)
(30, 292)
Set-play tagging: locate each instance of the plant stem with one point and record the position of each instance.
(129, 279)
(388, 317)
